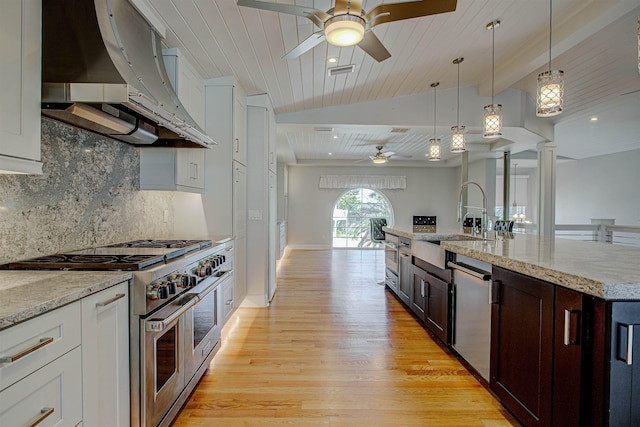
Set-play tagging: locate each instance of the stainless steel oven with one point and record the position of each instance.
(162, 349)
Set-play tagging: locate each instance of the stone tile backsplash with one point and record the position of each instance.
(87, 196)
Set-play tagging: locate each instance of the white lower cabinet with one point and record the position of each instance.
(50, 396)
(105, 357)
(69, 367)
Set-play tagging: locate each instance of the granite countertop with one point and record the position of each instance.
(25, 294)
(607, 271)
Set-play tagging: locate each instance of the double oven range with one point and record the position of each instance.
(175, 314)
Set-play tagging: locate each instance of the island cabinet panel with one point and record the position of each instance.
(624, 389)
(522, 328)
(571, 347)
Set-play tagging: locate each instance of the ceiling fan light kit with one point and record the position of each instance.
(550, 87)
(457, 131)
(346, 24)
(493, 112)
(344, 30)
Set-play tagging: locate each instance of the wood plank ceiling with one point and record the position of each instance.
(594, 42)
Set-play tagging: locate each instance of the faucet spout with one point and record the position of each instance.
(484, 206)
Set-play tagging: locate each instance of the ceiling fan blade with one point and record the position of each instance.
(307, 44)
(389, 154)
(389, 12)
(317, 16)
(401, 156)
(341, 7)
(372, 45)
(355, 7)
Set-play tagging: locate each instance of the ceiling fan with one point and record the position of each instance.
(347, 24)
(381, 157)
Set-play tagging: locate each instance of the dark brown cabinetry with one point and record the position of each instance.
(522, 345)
(624, 362)
(539, 340)
(431, 298)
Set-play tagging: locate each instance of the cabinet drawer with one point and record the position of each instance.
(52, 394)
(49, 336)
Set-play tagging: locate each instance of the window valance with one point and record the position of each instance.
(374, 182)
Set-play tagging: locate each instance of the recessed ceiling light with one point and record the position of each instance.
(335, 136)
(331, 154)
(332, 60)
(594, 119)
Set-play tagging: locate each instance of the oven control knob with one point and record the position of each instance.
(163, 292)
(152, 292)
(171, 287)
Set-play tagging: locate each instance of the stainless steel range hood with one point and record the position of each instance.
(102, 70)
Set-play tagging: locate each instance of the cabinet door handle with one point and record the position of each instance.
(45, 412)
(228, 302)
(43, 342)
(568, 338)
(110, 301)
(422, 288)
(195, 171)
(494, 291)
(237, 145)
(625, 332)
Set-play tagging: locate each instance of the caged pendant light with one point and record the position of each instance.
(550, 88)
(493, 112)
(434, 143)
(457, 131)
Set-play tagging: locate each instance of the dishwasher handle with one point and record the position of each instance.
(485, 277)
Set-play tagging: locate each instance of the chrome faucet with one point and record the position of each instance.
(483, 226)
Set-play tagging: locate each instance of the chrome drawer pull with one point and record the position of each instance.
(42, 343)
(627, 334)
(109, 301)
(567, 339)
(45, 413)
(228, 302)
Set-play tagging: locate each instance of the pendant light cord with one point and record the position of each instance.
(435, 89)
(458, 106)
(550, 30)
(493, 58)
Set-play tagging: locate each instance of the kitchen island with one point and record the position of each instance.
(562, 325)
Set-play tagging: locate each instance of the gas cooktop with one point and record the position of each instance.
(88, 262)
(133, 256)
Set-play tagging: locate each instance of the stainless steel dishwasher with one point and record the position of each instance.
(472, 315)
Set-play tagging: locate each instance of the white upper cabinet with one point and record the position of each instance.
(172, 169)
(227, 115)
(20, 52)
(187, 83)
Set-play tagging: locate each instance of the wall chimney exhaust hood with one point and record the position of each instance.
(102, 70)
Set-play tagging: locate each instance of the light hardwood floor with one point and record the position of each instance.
(335, 349)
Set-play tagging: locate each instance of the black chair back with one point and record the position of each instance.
(377, 234)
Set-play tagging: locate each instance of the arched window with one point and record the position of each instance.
(351, 213)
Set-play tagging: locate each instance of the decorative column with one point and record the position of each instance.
(546, 189)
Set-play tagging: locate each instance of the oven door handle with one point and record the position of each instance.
(159, 325)
(390, 245)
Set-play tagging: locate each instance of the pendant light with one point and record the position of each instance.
(550, 88)
(434, 143)
(493, 112)
(457, 131)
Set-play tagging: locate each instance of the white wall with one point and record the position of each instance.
(430, 191)
(599, 187)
